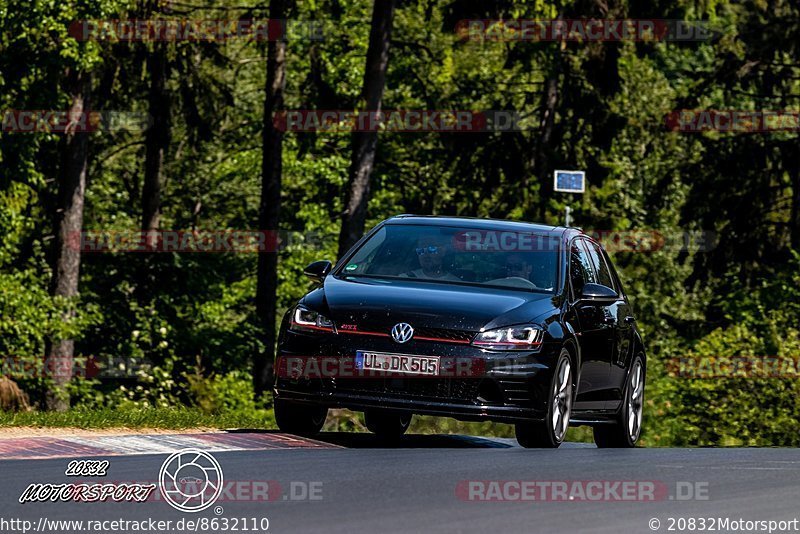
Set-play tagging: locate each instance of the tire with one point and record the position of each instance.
(387, 425)
(625, 431)
(549, 434)
(301, 419)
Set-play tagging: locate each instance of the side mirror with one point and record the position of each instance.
(598, 292)
(318, 270)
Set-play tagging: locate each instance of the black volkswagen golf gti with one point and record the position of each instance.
(467, 318)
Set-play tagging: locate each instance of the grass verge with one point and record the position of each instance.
(176, 418)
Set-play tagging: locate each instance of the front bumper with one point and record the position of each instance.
(477, 384)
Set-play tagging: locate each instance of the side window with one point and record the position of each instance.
(614, 274)
(365, 257)
(580, 268)
(599, 262)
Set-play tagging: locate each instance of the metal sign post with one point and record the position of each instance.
(569, 182)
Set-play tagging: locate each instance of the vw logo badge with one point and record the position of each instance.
(402, 332)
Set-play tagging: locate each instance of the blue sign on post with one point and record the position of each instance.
(569, 181)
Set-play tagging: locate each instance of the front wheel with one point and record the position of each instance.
(549, 433)
(301, 419)
(624, 432)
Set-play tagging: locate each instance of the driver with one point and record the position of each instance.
(518, 273)
(517, 265)
(430, 251)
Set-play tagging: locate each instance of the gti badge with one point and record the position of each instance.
(402, 332)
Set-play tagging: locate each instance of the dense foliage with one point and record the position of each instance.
(737, 296)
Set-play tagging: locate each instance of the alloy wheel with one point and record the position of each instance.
(562, 399)
(635, 400)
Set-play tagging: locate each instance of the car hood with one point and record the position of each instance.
(371, 303)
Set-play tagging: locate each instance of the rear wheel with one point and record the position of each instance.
(387, 425)
(549, 434)
(302, 419)
(624, 432)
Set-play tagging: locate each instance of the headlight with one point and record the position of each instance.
(305, 320)
(510, 338)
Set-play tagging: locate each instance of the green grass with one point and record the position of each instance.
(158, 418)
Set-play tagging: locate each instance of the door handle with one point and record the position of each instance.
(630, 319)
(609, 320)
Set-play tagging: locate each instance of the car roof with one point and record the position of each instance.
(481, 223)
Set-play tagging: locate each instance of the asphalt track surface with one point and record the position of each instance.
(362, 485)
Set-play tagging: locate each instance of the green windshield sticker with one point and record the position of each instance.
(351, 267)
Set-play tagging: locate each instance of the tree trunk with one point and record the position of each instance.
(269, 209)
(157, 139)
(364, 143)
(540, 165)
(68, 224)
(794, 222)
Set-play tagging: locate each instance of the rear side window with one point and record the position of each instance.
(581, 271)
(604, 277)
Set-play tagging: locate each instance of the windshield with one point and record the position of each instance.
(458, 255)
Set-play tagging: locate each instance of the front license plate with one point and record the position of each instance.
(397, 363)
